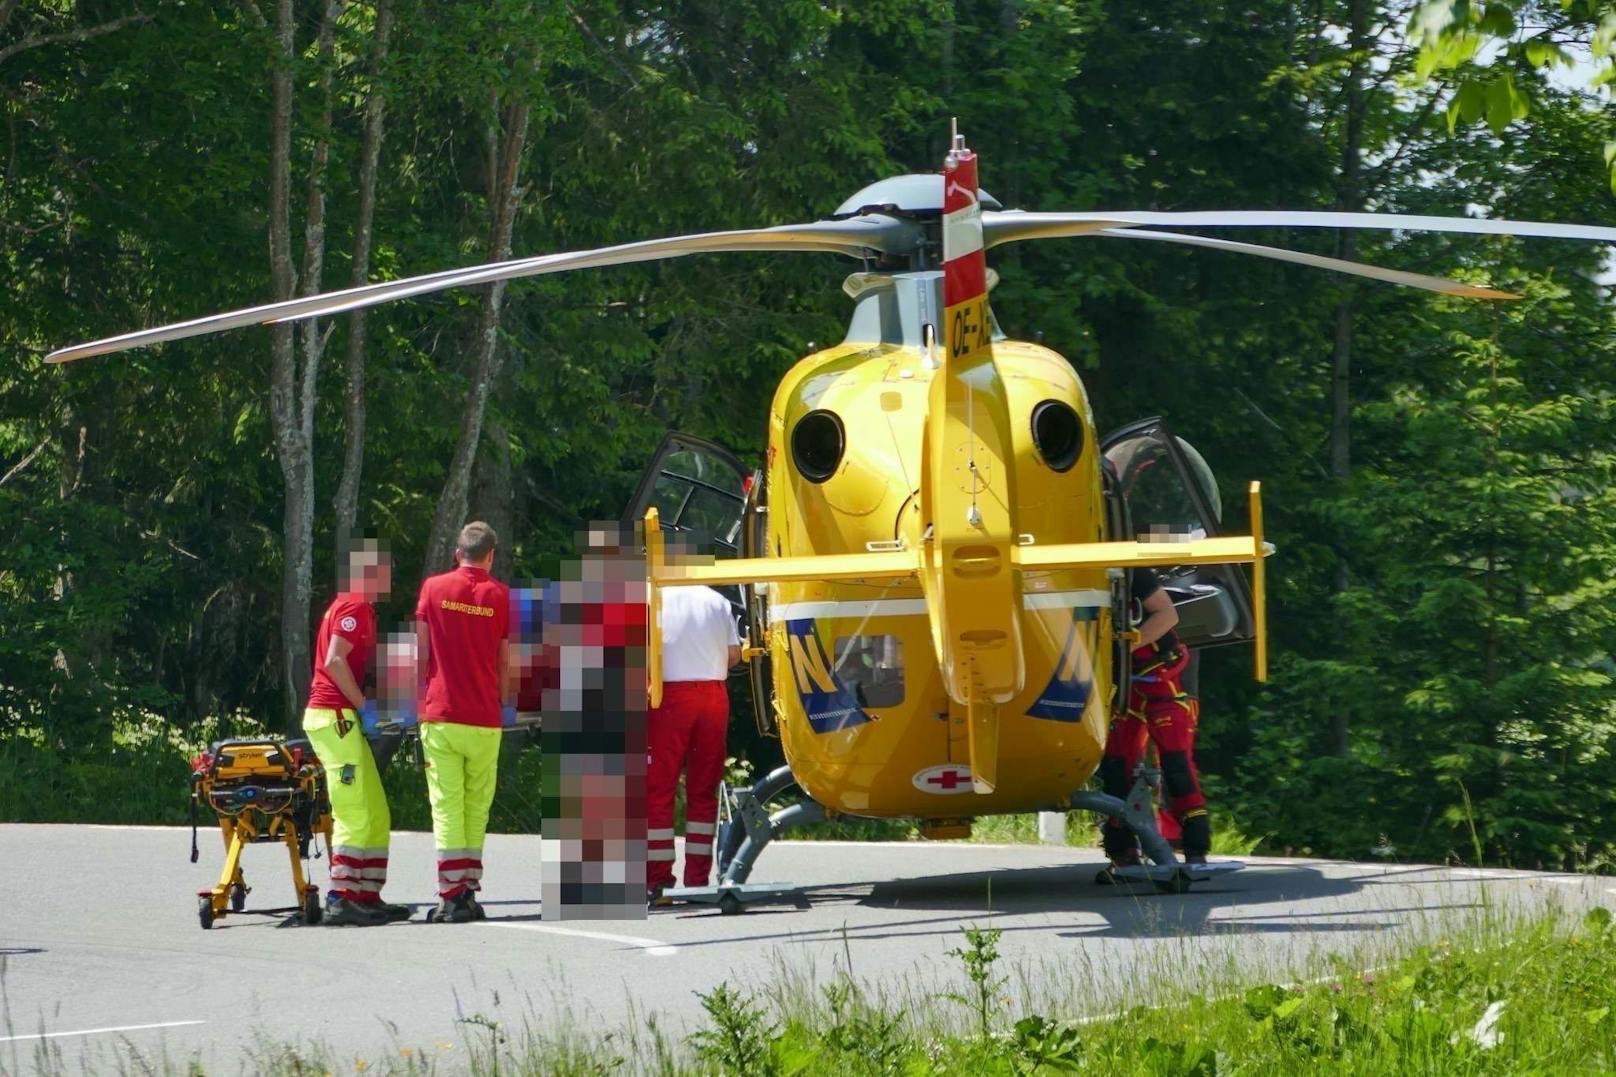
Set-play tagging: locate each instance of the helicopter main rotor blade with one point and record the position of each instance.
(852, 237)
(1319, 261)
(1008, 226)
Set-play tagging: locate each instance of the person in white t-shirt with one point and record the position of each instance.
(688, 732)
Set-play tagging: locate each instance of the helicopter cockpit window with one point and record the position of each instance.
(1160, 505)
(872, 669)
(698, 495)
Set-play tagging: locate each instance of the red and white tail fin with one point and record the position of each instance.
(967, 495)
(967, 328)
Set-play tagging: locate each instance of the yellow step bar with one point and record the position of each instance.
(903, 564)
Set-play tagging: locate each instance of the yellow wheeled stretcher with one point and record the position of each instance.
(262, 790)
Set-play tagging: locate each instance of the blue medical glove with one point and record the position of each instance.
(368, 718)
(507, 714)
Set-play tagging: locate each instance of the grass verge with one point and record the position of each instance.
(1494, 996)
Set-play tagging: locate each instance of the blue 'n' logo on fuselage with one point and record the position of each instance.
(825, 699)
(1067, 695)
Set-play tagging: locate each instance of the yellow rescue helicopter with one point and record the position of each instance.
(934, 559)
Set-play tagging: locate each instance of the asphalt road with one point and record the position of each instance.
(103, 964)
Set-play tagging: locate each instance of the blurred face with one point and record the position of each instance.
(372, 573)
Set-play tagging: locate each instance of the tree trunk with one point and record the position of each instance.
(353, 457)
(507, 135)
(74, 436)
(293, 390)
(1351, 198)
(496, 495)
(290, 449)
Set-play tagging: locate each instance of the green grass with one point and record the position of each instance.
(1227, 838)
(139, 782)
(1490, 996)
(144, 777)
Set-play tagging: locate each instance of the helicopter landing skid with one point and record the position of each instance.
(750, 827)
(732, 898)
(1175, 879)
(1138, 813)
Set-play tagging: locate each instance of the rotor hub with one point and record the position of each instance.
(919, 195)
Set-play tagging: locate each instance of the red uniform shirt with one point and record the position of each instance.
(467, 614)
(350, 617)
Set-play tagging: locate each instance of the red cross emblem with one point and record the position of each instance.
(944, 778)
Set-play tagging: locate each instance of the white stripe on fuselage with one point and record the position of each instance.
(916, 607)
(962, 232)
(1066, 600)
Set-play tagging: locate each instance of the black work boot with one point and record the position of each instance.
(1107, 876)
(459, 909)
(341, 912)
(1197, 837)
(396, 913)
(1121, 848)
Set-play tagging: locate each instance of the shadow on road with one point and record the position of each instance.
(1234, 905)
(1137, 910)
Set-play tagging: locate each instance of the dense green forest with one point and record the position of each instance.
(1438, 472)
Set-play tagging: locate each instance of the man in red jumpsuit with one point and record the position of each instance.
(688, 732)
(1159, 710)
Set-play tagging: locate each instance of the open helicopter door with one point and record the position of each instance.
(1170, 495)
(703, 493)
(759, 668)
(697, 488)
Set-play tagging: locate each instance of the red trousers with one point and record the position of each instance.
(687, 733)
(1159, 710)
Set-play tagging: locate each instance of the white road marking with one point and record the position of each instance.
(1471, 875)
(120, 826)
(97, 1031)
(654, 947)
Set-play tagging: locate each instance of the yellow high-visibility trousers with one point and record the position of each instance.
(462, 762)
(360, 823)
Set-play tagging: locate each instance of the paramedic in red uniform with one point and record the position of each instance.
(1161, 710)
(688, 732)
(343, 652)
(463, 625)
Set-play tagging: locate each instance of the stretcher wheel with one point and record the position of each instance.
(1178, 884)
(729, 904)
(238, 897)
(204, 911)
(312, 913)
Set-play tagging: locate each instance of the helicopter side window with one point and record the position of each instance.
(1171, 495)
(1158, 501)
(872, 669)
